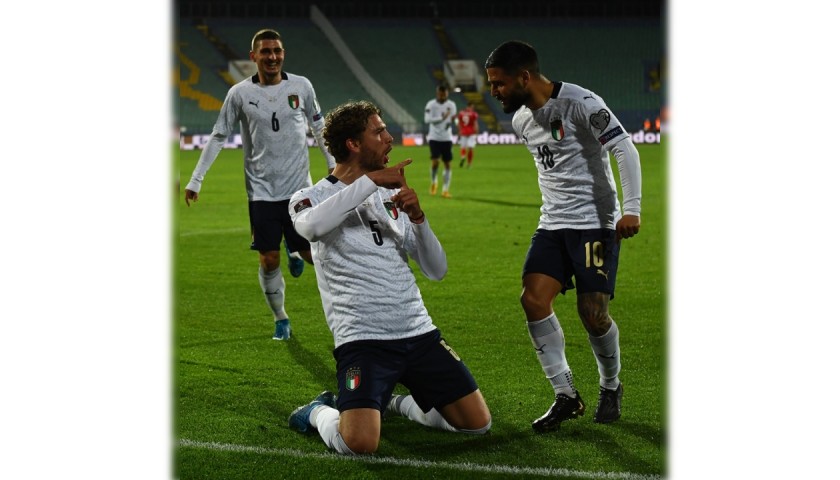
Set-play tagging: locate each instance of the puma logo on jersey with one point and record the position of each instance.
(541, 348)
(589, 96)
(254, 104)
(601, 272)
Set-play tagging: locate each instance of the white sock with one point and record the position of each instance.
(274, 289)
(447, 176)
(407, 407)
(550, 344)
(608, 356)
(434, 175)
(325, 419)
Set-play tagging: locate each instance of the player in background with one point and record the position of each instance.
(440, 113)
(274, 110)
(364, 223)
(467, 130)
(570, 132)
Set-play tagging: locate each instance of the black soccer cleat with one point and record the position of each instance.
(609, 405)
(563, 408)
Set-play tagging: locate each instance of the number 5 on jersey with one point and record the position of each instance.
(377, 234)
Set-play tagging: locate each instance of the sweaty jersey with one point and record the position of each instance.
(360, 246)
(467, 122)
(440, 129)
(569, 138)
(273, 121)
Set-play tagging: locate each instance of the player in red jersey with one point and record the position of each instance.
(467, 129)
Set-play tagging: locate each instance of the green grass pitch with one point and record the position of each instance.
(235, 386)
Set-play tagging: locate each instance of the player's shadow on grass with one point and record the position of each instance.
(311, 362)
(410, 438)
(517, 441)
(627, 458)
(645, 432)
(503, 203)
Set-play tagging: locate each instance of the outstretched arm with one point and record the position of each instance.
(205, 161)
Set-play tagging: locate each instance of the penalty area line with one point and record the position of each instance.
(404, 462)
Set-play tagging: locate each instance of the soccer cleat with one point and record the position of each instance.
(609, 405)
(295, 264)
(433, 189)
(462, 163)
(282, 329)
(299, 419)
(563, 408)
(446, 194)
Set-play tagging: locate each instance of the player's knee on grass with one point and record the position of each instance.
(478, 431)
(478, 424)
(361, 443)
(469, 415)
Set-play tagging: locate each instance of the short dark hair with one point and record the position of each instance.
(348, 120)
(513, 56)
(442, 88)
(264, 34)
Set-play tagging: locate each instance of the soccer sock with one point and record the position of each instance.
(447, 176)
(407, 407)
(550, 344)
(325, 419)
(469, 156)
(608, 356)
(434, 174)
(463, 152)
(274, 289)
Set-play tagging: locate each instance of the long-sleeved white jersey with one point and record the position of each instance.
(570, 137)
(273, 120)
(440, 128)
(360, 247)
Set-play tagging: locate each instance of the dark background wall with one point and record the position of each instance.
(615, 48)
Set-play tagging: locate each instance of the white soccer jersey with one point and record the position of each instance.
(273, 121)
(440, 129)
(569, 138)
(360, 254)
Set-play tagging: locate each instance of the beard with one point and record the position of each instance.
(514, 101)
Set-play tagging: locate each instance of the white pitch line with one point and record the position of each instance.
(465, 467)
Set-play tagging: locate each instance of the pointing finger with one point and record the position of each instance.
(403, 164)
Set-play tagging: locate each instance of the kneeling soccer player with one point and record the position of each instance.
(363, 222)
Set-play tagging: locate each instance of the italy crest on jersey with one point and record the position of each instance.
(294, 101)
(392, 209)
(353, 378)
(557, 131)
